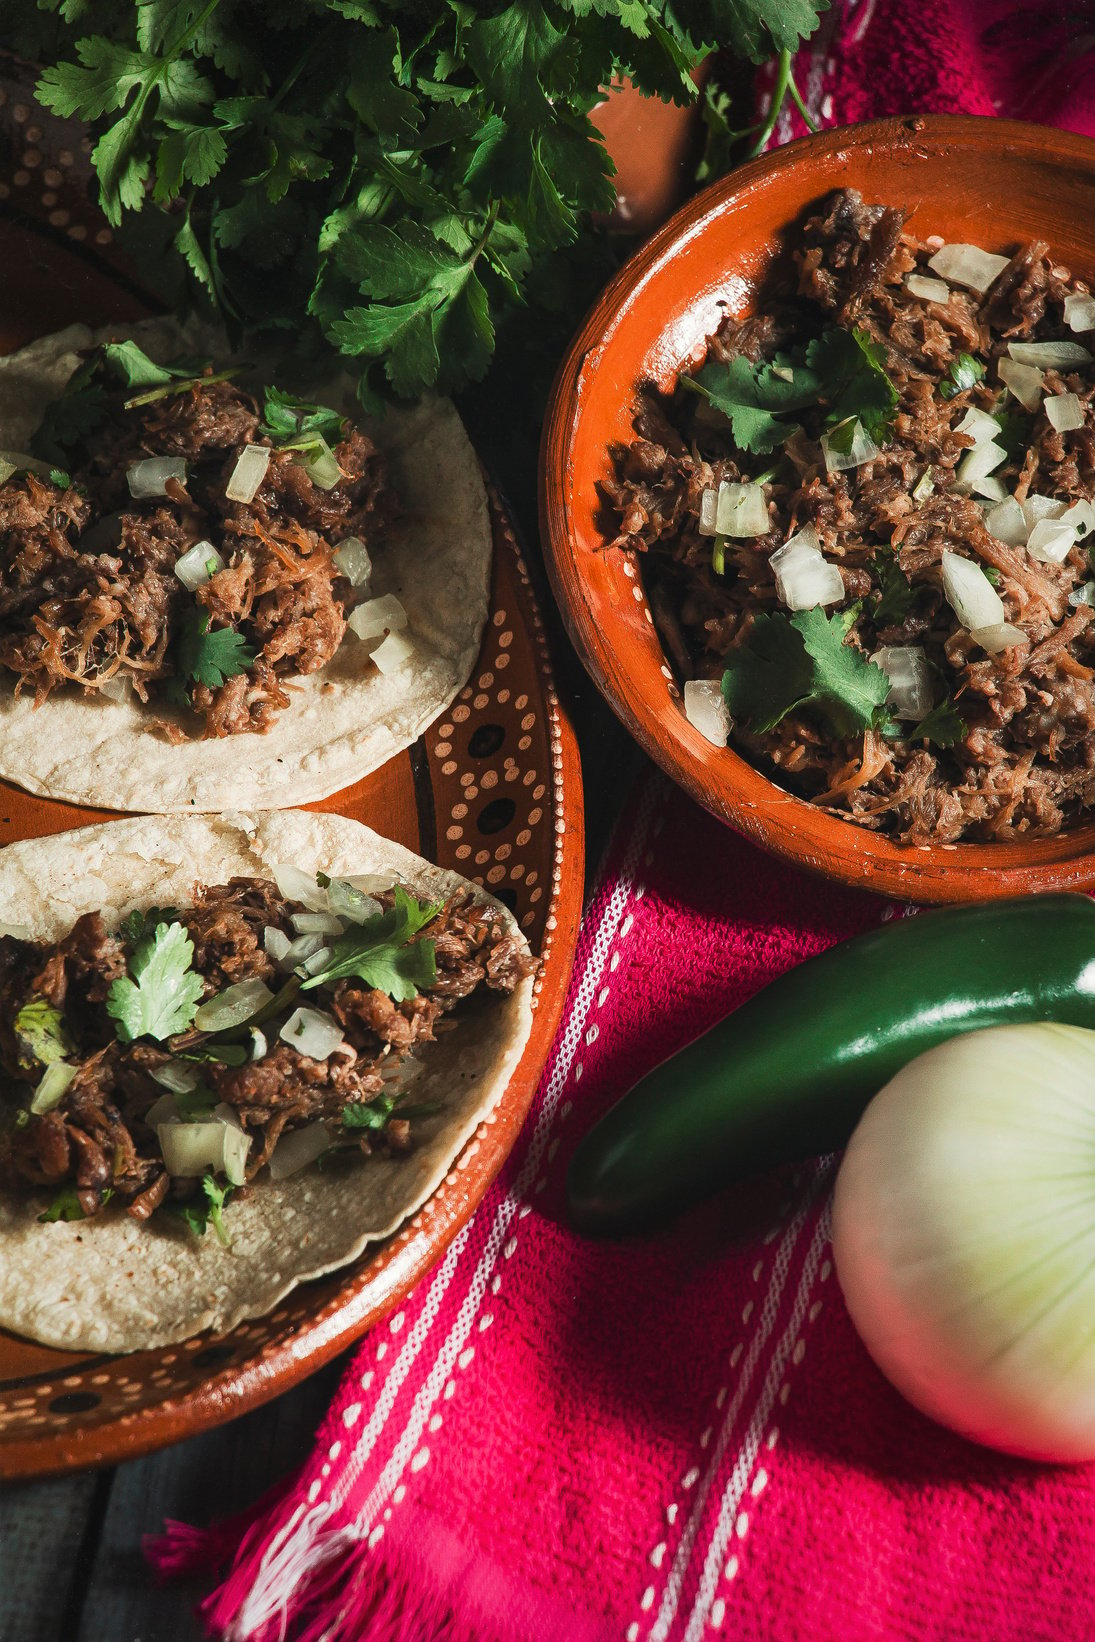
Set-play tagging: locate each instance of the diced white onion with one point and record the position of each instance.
(163, 1110)
(804, 577)
(300, 886)
(1042, 507)
(1080, 311)
(1081, 516)
(296, 1150)
(298, 951)
(51, 1087)
(232, 1007)
(912, 691)
(706, 710)
(742, 511)
(990, 487)
(372, 883)
(1051, 541)
(1000, 636)
(1064, 411)
(1023, 382)
(1084, 594)
(149, 478)
(1008, 523)
(923, 486)
(968, 265)
(862, 449)
(376, 617)
(969, 593)
(313, 1032)
(260, 1048)
(976, 463)
(928, 289)
(353, 559)
(218, 1143)
(347, 901)
(177, 1076)
(316, 923)
(275, 943)
(18, 932)
(317, 960)
(395, 652)
(709, 509)
(320, 463)
(248, 473)
(197, 564)
(118, 687)
(1050, 356)
(980, 426)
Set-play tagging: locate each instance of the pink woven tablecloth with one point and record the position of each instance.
(675, 1438)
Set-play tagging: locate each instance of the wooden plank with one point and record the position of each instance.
(42, 1553)
(212, 1475)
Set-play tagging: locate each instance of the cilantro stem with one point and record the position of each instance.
(796, 96)
(779, 97)
(184, 386)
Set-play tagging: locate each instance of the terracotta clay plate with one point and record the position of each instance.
(492, 789)
(996, 183)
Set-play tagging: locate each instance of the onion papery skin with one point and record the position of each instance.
(964, 1237)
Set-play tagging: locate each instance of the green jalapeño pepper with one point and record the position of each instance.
(788, 1075)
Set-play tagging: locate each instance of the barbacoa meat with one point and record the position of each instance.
(1026, 765)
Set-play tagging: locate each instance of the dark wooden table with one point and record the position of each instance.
(71, 1568)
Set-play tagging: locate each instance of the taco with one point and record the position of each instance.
(235, 1050)
(213, 593)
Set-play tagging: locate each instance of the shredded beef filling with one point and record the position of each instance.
(1026, 764)
(88, 591)
(96, 1140)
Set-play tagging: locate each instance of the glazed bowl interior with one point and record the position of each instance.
(994, 183)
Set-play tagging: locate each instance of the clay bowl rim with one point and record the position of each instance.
(721, 780)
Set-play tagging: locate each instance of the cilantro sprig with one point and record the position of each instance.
(160, 995)
(206, 657)
(384, 953)
(804, 661)
(206, 1210)
(394, 178)
(288, 420)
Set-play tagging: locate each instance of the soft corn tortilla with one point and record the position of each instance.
(113, 1284)
(343, 721)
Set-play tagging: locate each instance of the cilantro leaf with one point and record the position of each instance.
(756, 397)
(41, 1036)
(383, 953)
(898, 596)
(65, 1206)
(965, 372)
(137, 924)
(207, 1210)
(285, 417)
(210, 658)
(131, 366)
(1015, 429)
(372, 1114)
(854, 381)
(803, 661)
(943, 727)
(161, 993)
(58, 477)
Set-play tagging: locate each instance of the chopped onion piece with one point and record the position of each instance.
(804, 577)
(709, 508)
(979, 425)
(862, 449)
(163, 1110)
(316, 923)
(217, 1143)
(51, 1087)
(923, 486)
(300, 950)
(1008, 523)
(149, 478)
(912, 691)
(968, 265)
(1000, 636)
(1023, 382)
(353, 559)
(372, 883)
(928, 289)
(18, 932)
(742, 511)
(197, 564)
(978, 462)
(376, 617)
(260, 1048)
(969, 593)
(320, 463)
(177, 1076)
(248, 473)
(300, 886)
(1081, 516)
(392, 654)
(990, 487)
(317, 960)
(275, 943)
(296, 1150)
(232, 1007)
(347, 901)
(706, 710)
(1064, 411)
(1080, 311)
(1050, 356)
(312, 1032)
(1051, 541)
(1085, 594)
(1042, 507)
(117, 687)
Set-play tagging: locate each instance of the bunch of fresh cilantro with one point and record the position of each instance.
(388, 176)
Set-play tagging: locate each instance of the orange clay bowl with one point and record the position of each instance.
(991, 182)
